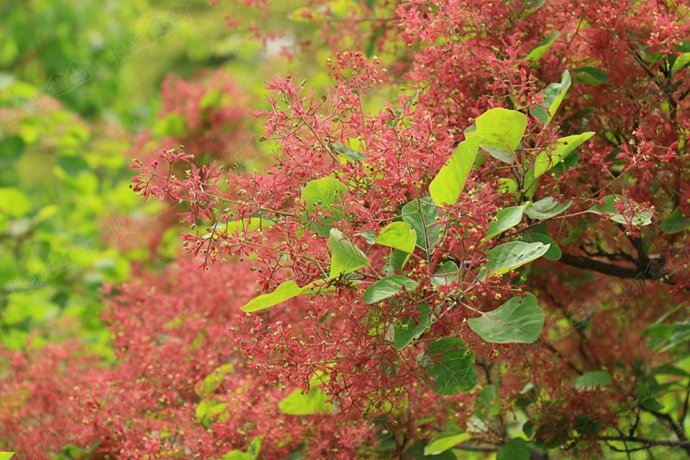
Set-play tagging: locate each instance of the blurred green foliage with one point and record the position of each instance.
(78, 79)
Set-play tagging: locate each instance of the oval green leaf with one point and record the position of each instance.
(509, 256)
(500, 132)
(519, 320)
(345, 256)
(398, 235)
(423, 218)
(546, 208)
(388, 287)
(450, 365)
(505, 219)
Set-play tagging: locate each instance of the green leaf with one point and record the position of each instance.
(252, 451)
(546, 208)
(609, 210)
(509, 256)
(6, 455)
(388, 287)
(505, 219)
(519, 320)
(675, 223)
(399, 259)
(596, 379)
(507, 185)
(447, 273)
(515, 449)
(345, 256)
(237, 227)
(212, 381)
(398, 235)
(208, 410)
(422, 217)
(369, 236)
(445, 441)
(324, 196)
(211, 99)
(450, 181)
(540, 50)
(590, 76)
(554, 252)
(11, 149)
(553, 96)
(73, 165)
(532, 6)
(14, 202)
(300, 403)
(681, 62)
(409, 330)
(173, 125)
(561, 149)
(500, 132)
(285, 291)
(450, 364)
(347, 152)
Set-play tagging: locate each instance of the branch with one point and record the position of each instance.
(647, 442)
(602, 267)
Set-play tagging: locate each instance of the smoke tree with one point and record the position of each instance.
(474, 238)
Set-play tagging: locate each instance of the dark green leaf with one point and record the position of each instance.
(675, 223)
(11, 149)
(596, 379)
(515, 449)
(423, 218)
(450, 364)
(409, 329)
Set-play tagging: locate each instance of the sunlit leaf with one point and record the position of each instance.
(445, 441)
(345, 256)
(450, 181)
(540, 50)
(398, 235)
(311, 403)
